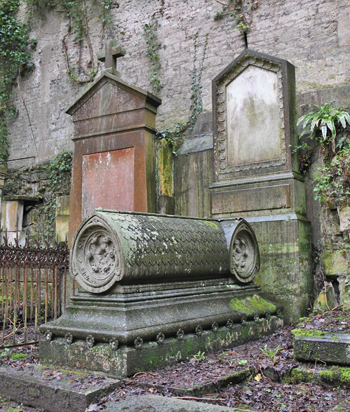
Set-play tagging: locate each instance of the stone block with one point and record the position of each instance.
(335, 263)
(156, 403)
(114, 156)
(344, 218)
(62, 205)
(12, 215)
(62, 228)
(254, 123)
(330, 348)
(126, 361)
(284, 242)
(35, 386)
(344, 292)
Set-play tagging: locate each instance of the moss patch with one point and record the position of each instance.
(252, 306)
(308, 332)
(299, 375)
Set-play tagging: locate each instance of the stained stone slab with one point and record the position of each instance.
(257, 173)
(154, 403)
(125, 361)
(114, 155)
(52, 390)
(331, 348)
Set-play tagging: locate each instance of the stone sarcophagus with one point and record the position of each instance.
(148, 283)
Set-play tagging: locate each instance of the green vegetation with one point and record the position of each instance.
(18, 356)
(272, 353)
(329, 126)
(174, 136)
(299, 375)
(199, 356)
(336, 374)
(242, 362)
(240, 10)
(252, 306)
(323, 125)
(15, 61)
(308, 332)
(153, 46)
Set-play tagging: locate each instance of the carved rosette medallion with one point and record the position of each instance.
(244, 255)
(96, 259)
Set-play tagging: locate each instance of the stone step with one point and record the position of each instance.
(312, 345)
(154, 403)
(53, 390)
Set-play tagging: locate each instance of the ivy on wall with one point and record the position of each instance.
(15, 57)
(174, 136)
(76, 13)
(241, 11)
(149, 32)
(15, 61)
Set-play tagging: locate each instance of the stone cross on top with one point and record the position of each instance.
(110, 55)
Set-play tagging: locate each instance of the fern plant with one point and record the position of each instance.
(323, 125)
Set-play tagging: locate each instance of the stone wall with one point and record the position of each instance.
(312, 35)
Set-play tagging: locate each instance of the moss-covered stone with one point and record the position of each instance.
(335, 263)
(252, 306)
(308, 332)
(315, 345)
(126, 360)
(299, 375)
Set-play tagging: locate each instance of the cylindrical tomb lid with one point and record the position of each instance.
(111, 246)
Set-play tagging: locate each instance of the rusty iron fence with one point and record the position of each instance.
(33, 288)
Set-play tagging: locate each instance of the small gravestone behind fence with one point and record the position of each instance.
(32, 288)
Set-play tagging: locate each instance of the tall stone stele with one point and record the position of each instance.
(114, 155)
(257, 175)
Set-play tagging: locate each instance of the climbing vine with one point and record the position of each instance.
(153, 46)
(15, 58)
(174, 136)
(196, 105)
(241, 11)
(76, 12)
(14, 62)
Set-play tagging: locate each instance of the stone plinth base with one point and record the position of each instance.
(126, 361)
(331, 348)
(72, 391)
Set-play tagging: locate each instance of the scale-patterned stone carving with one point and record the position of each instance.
(113, 246)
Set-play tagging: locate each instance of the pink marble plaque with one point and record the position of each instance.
(108, 181)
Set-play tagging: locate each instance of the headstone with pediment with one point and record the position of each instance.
(114, 160)
(256, 172)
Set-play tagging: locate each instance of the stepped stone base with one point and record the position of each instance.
(126, 360)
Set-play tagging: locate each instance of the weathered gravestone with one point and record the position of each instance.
(155, 289)
(257, 175)
(114, 156)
